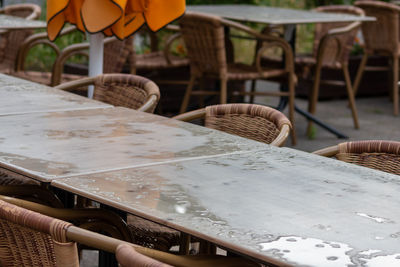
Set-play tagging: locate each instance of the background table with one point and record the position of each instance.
(274, 15)
(276, 205)
(19, 96)
(8, 22)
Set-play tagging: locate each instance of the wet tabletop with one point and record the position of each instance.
(50, 145)
(14, 23)
(278, 205)
(273, 15)
(18, 96)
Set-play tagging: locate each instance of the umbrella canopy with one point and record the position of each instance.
(120, 18)
(112, 17)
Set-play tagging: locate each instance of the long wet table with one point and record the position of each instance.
(275, 205)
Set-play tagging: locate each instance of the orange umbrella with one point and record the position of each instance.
(110, 17)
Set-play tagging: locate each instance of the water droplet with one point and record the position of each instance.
(320, 245)
(332, 258)
(291, 240)
(335, 245)
(286, 251)
(379, 238)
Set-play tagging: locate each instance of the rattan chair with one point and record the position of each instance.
(116, 54)
(126, 90)
(205, 40)
(11, 40)
(331, 50)
(375, 154)
(29, 238)
(381, 37)
(257, 122)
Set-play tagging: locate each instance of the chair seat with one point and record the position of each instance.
(239, 71)
(152, 235)
(157, 60)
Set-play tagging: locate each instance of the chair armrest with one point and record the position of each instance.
(281, 138)
(168, 44)
(75, 84)
(271, 39)
(327, 151)
(191, 115)
(35, 39)
(334, 34)
(95, 219)
(74, 49)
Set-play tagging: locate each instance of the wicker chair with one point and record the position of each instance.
(375, 154)
(10, 41)
(205, 42)
(30, 238)
(381, 37)
(116, 54)
(251, 121)
(331, 50)
(124, 90)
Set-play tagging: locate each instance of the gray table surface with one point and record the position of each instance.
(274, 15)
(277, 205)
(18, 96)
(47, 146)
(8, 22)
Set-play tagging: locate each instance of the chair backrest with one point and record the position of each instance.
(116, 54)
(205, 43)
(382, 35)
(257, 122)
(337, 50)
(28, 238)
(375, 154)
(125, 90)
(10, 41)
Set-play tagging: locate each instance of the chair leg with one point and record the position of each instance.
(291, 107)
(395, 86)
(350, 95)
(312, 102)
(359, 74)
(224, 91)
(188, 93)
(252, 90)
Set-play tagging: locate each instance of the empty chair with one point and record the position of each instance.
(205, 40)
(116, 54)
(257, 122)
(375, 154)
(29, 238)
(331, 50)
(10, 41)
(125, 90)
(381, 37)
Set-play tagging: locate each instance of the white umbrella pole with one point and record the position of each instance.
(96, 53)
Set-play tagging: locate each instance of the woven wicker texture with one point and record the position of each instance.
(337, 49)
(381, 35)
(205, 43)
(256, 122)
(128, 257)
(28, 238)
(379, 155)
(125, 90)
(152, 235)
(11, 178)
(10, 41)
